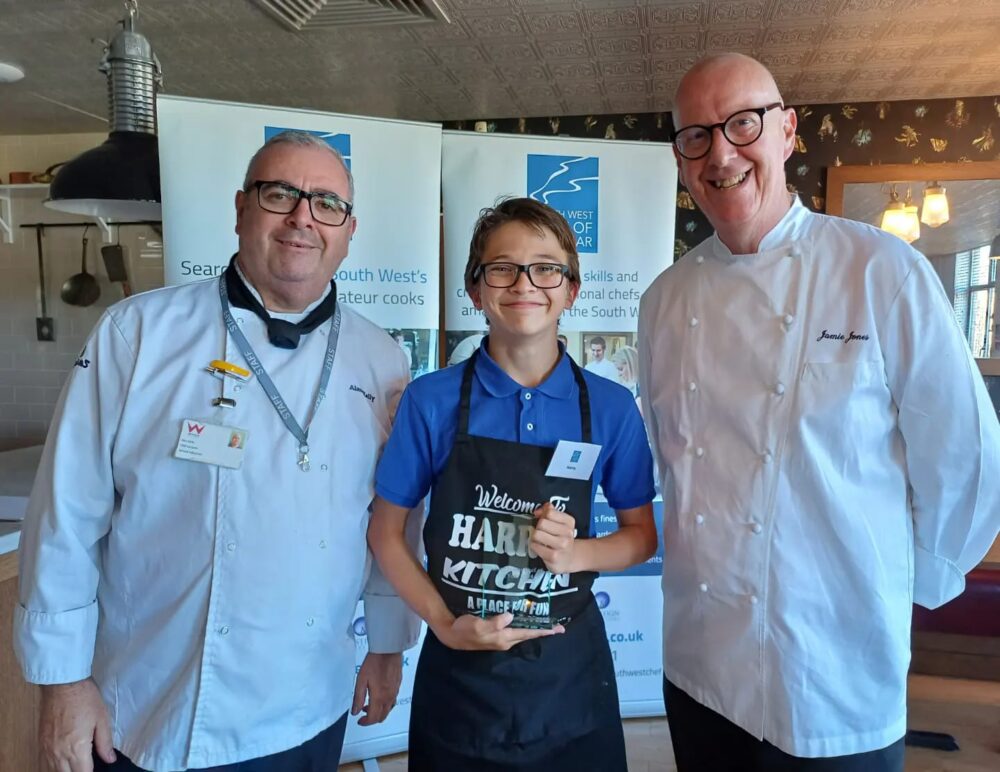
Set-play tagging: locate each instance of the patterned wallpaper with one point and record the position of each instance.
(921, 131)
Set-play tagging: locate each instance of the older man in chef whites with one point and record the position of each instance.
(194, 548)
(827, 448)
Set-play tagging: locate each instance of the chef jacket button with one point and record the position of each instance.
(531, 427)
(779, 388)
(323, 467)
(796, 252)
(240, 320)
(699, 452)
(756, 528)
(231, 546)
(699, 259)
(703, 587)
(238, 387)
(224, 630)
(322, 544)
(692, 386)
(788, 319)
(310, 622)
(694, 321)
(527, 395)
(754, 600)
(766, 457)
(699, 518)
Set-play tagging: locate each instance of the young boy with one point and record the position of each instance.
(515, 672)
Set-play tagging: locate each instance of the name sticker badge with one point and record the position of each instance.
(210, 443)
(574, 460)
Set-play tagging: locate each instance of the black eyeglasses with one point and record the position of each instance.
(503, 275)
(741, 129)
(281, 198)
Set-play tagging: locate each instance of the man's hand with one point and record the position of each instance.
(378, 679)
(74, 723)
(554, 538)
(473, 633)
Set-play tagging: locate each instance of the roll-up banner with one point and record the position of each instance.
(619, 199)
(391, 274)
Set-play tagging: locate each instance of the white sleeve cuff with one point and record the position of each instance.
(55, 648)
(392, 626)
(936, 580)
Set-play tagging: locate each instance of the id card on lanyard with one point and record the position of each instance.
(301, 434)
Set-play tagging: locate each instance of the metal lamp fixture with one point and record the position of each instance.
(900, 218)
(935, 209)
(995, 248)
(119, 179)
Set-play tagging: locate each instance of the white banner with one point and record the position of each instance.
(630, 602)
(391, 275)
(619, 198)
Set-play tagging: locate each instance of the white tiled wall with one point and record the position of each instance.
(32, 372)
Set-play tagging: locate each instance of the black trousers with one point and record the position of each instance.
(320, 754)
(704, 741)
(602, 750)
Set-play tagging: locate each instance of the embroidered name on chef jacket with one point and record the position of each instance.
(842, 337)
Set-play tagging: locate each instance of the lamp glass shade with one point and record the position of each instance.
(995, 248)
(935, 210)
(896, 220)
(118, 180)
(912, 226)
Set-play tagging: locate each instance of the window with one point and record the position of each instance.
(976, 298)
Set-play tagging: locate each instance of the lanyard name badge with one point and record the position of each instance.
(301, 434)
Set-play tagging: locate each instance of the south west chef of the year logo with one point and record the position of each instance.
(568, 183)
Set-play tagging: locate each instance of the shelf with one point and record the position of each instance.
(26, 189)
(7, 194)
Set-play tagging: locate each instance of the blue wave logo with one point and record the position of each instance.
(360, 628)
(568, 183)
(603, 599)
(339, 142)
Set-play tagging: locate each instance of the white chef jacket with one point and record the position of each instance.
(213, 606)
(604, 368)
(829, 456)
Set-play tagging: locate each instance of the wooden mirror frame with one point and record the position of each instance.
(837, 177)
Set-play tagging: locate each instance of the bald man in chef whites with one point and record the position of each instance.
(827, 447)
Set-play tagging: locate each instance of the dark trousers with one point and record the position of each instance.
(704, 741)
(602, 750)
(320, 754)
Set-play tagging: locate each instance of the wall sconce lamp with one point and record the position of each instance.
(900, 218)
(935, 209)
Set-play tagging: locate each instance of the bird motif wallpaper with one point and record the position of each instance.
(923, 131)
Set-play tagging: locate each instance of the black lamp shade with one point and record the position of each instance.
(118, 180)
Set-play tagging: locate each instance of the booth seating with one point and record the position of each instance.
(961, 639)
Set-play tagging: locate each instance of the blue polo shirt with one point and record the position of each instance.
(424, 429)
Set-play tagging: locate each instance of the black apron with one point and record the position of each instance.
(518, 707)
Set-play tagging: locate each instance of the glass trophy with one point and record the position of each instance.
(521, 584)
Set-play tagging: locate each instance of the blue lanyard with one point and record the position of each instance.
(300, 434)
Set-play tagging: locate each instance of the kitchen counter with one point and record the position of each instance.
(17, 475)
(10, 537)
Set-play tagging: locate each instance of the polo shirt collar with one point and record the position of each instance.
(559, 384)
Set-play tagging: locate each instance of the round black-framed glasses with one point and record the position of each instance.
(501, 275)
(740, 129)
(279, 197)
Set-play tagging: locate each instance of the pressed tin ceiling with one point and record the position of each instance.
(498, 58)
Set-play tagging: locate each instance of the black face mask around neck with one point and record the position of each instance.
(281, 333)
